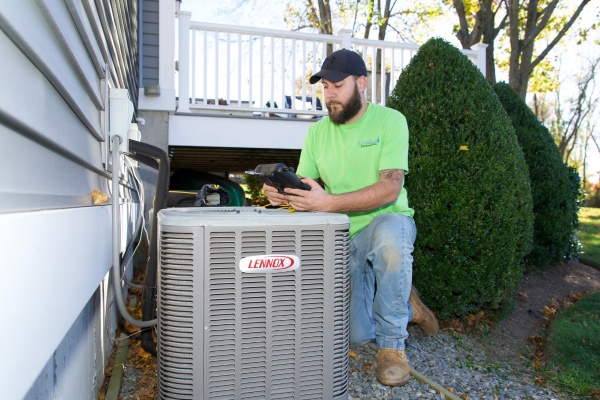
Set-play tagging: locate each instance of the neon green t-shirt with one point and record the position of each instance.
(349, 157)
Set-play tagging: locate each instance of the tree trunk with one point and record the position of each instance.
(489, 35)
(322, 19)
(369, 18)
(483, 30)
(383, 21)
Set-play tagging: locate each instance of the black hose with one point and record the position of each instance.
(149, 161)
(155, 158)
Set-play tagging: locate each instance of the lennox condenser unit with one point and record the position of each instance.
(252, 303)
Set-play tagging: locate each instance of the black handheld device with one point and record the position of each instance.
(279, 176)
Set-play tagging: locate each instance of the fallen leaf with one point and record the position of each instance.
(549, 310)
(129, 328)
(540, 381)
(535, 339)
(465, 148)
(523, 294)
(351, 353)
(99, 197)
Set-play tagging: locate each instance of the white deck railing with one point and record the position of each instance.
(235, 69)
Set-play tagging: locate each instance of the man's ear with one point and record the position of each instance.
(361, 81)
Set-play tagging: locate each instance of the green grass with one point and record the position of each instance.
(574, 348)
(589, 235)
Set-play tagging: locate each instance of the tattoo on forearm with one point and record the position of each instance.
(395, 174)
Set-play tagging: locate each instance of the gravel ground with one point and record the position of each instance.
(449, 362)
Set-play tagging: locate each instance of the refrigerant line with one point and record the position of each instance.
(116, 220)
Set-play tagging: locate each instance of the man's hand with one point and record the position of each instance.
(380, 194)
(316, 199)
(275, 198)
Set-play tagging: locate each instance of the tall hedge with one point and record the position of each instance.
(554, 188)
(467, 181)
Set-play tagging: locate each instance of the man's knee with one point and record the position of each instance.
(393, 231)
(392, 241)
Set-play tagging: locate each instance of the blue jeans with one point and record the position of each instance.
(380, 280)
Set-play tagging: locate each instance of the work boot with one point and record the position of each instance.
(392, 367)
(422, 315)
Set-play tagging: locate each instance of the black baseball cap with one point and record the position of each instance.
(339, 65)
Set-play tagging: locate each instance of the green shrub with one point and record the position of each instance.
(554, 187)
(255, 190)
(472, 207)
(577, 200)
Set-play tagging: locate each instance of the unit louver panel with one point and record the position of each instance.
(253, 343)
(283, 321)
(283, 242)
(341, 313)
(221, 314)
(312, 313)
(176, 316)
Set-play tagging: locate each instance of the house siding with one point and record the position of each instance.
(59, 59)
(149, 49)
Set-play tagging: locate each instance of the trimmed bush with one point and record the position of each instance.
(577, 200)
(554, 187)
(468, 183)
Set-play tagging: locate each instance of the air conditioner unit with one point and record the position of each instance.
(239, 318)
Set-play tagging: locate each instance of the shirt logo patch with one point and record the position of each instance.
(370, 142)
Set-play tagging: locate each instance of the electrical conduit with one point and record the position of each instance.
(116, 226)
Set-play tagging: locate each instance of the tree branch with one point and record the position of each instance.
(501, 25)
(398, 32)
(558, 37)
(313, 18)
(595, 142)
(302, 27)
(355, 16)
(539, 27)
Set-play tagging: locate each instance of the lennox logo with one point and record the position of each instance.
(269, 263)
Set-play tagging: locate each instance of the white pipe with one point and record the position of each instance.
(116, 228)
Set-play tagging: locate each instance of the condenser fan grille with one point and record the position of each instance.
(176, 316)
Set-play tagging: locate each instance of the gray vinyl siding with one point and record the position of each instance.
(53, 95)
(58, 59)
(119, 19)
(149, 50)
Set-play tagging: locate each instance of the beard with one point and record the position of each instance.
(349, 109)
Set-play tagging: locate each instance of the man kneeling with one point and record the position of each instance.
(360, 153)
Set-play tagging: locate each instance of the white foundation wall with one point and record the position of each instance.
(57, 300)
(82, 355)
